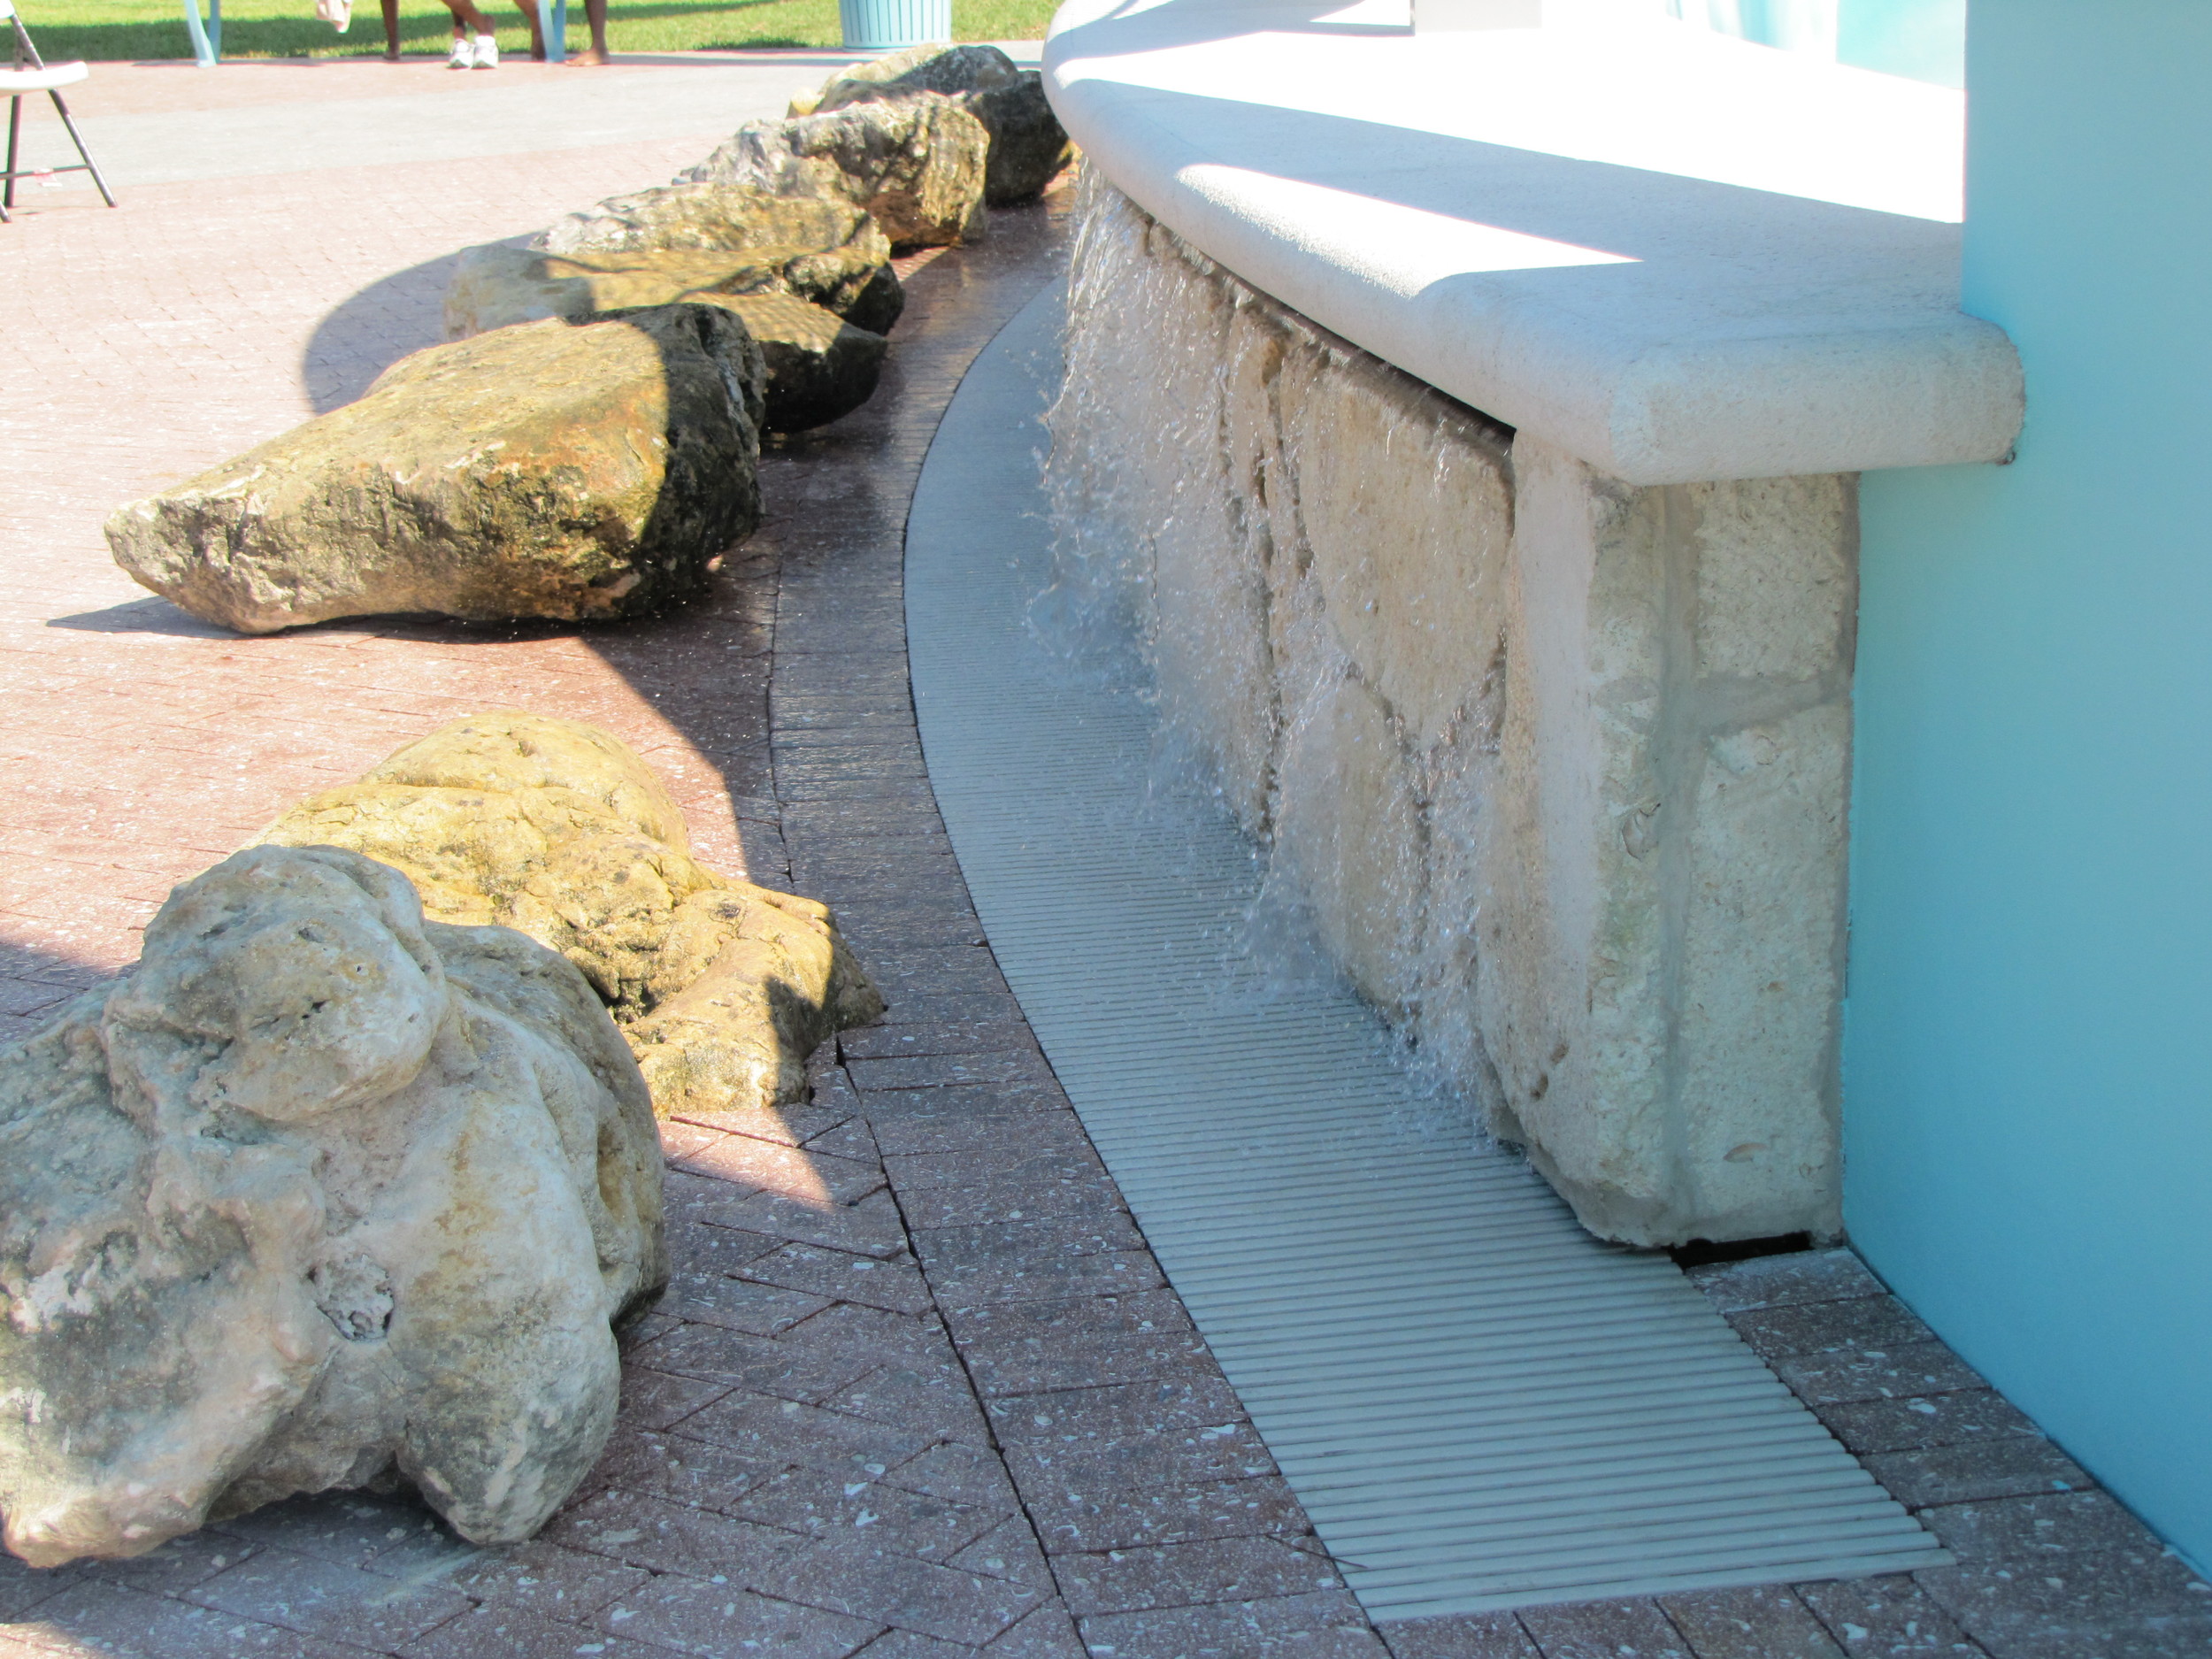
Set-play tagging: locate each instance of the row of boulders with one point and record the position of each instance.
(353, 1174)
(810, 279)
(592, 470)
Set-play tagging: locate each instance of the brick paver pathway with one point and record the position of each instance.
(807, 1463)
(918, 1388)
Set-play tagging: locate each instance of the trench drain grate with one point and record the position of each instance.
(1480, 1405)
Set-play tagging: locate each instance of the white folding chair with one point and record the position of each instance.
(33, 74)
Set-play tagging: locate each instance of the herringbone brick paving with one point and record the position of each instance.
(918, 1387)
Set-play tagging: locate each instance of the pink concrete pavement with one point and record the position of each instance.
(148, 341)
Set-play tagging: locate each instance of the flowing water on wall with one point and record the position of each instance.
(1182, 575)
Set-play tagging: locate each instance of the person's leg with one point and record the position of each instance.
(391, 31)
(467, 22)
(528, 8)
(596, 11)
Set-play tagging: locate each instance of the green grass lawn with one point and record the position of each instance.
(124, 30)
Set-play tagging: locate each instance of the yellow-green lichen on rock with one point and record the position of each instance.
(552, 827)
(495, 285)
(818, 365)
(823, 249)
(917, 165)
(1028, 145)
(582, 473)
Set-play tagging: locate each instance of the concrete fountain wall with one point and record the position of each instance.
(1559, 763)
(1471, 420)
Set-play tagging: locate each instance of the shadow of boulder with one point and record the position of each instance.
(373, 328)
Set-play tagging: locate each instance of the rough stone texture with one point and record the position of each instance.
(917, 165)
(498, 285)
(583, 473)
(1558, 764)
(708, 217)
(844, 259)
(1028, 145)
(553, 828)
(317, 1193)
(818, 366)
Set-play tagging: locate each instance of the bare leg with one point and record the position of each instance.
(467, 18)
(391, 31)
(537, 27)
(596, 11)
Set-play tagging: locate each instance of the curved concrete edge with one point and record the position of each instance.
(1806, 338)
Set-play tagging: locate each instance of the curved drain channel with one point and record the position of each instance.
(1481, 1406)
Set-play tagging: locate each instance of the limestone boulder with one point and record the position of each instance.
(818, 366)
(710, 216)
(823, 249)
(554, 829)
(949, 71)
(1028, 145)
(317, 1194)
(498, 285)
(583, 473)
(917, 165)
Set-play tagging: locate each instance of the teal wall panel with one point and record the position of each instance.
(2028, 1056)
(1923, 39)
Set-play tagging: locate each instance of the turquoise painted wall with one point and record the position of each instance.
(1924, 39)
(2028, 1053)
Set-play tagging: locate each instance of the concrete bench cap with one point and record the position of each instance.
(1679, 256)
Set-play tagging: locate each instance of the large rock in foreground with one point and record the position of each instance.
(818, 365)
(819, 249)
(554, 829)
(1028, 145)
(917, 165)
(581, 474)
(316, 1193)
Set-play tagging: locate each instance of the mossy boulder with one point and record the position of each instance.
(917, 165)
(554, 829)
(824, 250)
(1028, 145)
(579, 472)
(818, 365)
(498, 285)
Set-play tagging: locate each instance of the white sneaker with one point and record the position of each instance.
(463, 55)
(486, 52)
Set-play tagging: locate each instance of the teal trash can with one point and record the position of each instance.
(875, 26)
